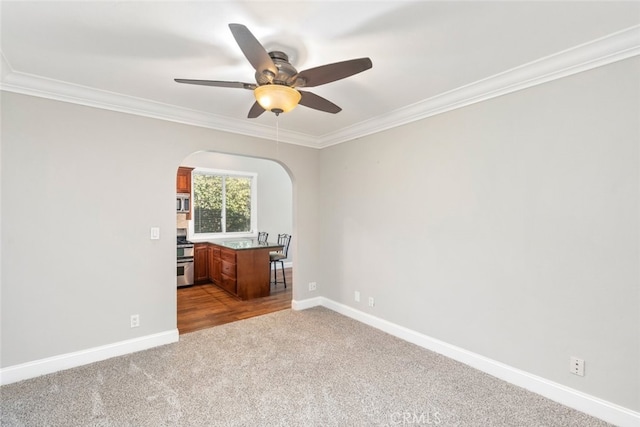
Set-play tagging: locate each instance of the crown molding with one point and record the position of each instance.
(33, 85)
(606, 50)
(614, 47)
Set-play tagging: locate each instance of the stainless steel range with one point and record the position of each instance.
(185, 258)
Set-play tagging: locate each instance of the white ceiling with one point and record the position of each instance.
(428, 56)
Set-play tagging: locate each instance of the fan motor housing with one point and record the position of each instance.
(286, 71)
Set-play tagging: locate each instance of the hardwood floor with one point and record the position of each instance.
(204, 306)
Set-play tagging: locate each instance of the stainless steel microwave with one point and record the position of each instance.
(183, 203)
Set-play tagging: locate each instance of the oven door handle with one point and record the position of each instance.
(185, 260)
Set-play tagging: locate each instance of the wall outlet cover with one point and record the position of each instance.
(135, 320)
(576, 366)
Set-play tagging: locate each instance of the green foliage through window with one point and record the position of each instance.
(221, 203)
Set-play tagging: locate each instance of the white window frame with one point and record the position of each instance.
(254, 206)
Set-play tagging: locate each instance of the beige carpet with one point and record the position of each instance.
(308, 368)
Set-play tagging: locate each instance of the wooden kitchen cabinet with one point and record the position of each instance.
(240, 266)
(201, 262)
(183, 184)
(183, 180)
(215, 265)
(228, 273)
(244, 268)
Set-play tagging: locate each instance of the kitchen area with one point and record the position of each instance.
(229, 277)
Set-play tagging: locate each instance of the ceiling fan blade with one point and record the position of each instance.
(218, 83)
(255, 110)
(331, 72)
(252, 49)
(316, 102)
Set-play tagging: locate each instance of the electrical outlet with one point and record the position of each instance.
(356, 296)
(372, 302)
(135, 320)
(313, 286)
(576, 366)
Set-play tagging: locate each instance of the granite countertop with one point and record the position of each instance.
(240, 244)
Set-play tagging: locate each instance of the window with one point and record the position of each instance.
(223, 203)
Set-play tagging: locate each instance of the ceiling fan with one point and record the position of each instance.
(277, 81)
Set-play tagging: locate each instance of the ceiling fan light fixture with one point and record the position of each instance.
(277, 98)
(277, 80)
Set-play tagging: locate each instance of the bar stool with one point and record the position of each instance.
(279, 257)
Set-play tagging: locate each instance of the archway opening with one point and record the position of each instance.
(209, 302)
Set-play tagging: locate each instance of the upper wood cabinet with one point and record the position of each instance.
(183, 180)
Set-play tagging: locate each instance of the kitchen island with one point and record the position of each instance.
(241, 266)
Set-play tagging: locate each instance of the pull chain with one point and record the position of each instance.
(277, 135)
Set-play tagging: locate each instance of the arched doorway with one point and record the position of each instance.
(204, 304)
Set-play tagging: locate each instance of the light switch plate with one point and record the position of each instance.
(155, 233)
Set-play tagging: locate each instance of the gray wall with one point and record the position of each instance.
(81, 188)
(508, 228)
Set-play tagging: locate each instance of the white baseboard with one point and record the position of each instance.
(567, 396)
(49, 365)
(306, 303)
